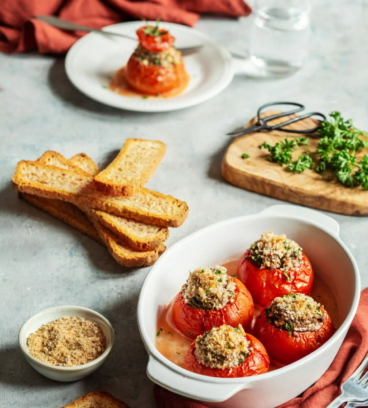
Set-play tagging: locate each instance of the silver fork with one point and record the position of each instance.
(356, 404)
(354, 389)
(68, 25)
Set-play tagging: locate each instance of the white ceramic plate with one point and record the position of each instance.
(95, 58)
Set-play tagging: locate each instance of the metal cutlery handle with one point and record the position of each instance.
(337, 401)
(355, 404)
(67, 25)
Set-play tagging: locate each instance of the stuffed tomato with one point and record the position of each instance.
(292, 327)
(211, 298)
(155, 67)
(275, 266)
(227, 352)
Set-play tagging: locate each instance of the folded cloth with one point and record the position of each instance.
(327, 388)
(19, 31)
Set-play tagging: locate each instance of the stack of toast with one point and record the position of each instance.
(110, 206)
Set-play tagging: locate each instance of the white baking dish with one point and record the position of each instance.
(318, 235)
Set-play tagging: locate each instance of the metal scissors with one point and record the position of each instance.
(262, 123)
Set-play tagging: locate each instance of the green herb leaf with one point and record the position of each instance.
(304, 162)
(289, 327)
(288, 277)
(281, 152)
(245, 156)
(159, 332)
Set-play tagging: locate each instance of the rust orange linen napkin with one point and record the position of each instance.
(327, 388)
(19, 31)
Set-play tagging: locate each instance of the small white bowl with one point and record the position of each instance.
(65, 374)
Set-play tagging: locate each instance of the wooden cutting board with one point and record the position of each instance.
(308, 188)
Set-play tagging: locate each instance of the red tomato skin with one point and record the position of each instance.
(158, 43)
(287, 348)
(256, 363)
(266, 284)
(192, 322)
(154, 79)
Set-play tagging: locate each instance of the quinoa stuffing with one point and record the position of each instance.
(295, 312)
(222, 347)
(276, 252)
(209, 288)
(67, 342)
(165, 58)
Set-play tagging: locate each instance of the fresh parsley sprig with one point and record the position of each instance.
(340, 141)
(281, 152)
(304, 162)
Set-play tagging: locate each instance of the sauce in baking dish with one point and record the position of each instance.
(120, 85)
(173, 345)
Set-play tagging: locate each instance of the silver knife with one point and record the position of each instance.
(67, 25)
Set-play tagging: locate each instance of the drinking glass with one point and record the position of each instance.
(279, 36)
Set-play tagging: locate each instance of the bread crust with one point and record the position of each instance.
(51, 158)
(134, 175)
(85, 163)
(99, 399)
(127, 235)
(123, 254)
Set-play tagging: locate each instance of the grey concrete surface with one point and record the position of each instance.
(45, 263)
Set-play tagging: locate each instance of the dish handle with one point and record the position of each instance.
(302, 212)
(199, 389)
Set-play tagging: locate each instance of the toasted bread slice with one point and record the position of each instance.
(51, 158)
(139, 236)
(146, 206)
(79, 219)
(97, 399)
(122, 253)
(132, 168)
(65, 212)
(85, 163)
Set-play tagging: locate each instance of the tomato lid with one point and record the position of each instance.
(155, 39)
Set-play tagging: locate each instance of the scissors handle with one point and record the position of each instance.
(299, 108)
(244, 131)
(293, 120)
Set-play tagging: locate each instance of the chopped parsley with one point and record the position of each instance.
(288, 277)
(240, 361)
(219, 272)
(289, 327)
(154, 31)
(245, 156)
(159, 332)
(304, 162)
(339, 143)
(281, 152)
(219, 280)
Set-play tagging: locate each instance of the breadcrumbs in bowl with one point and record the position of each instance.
(66, 343)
